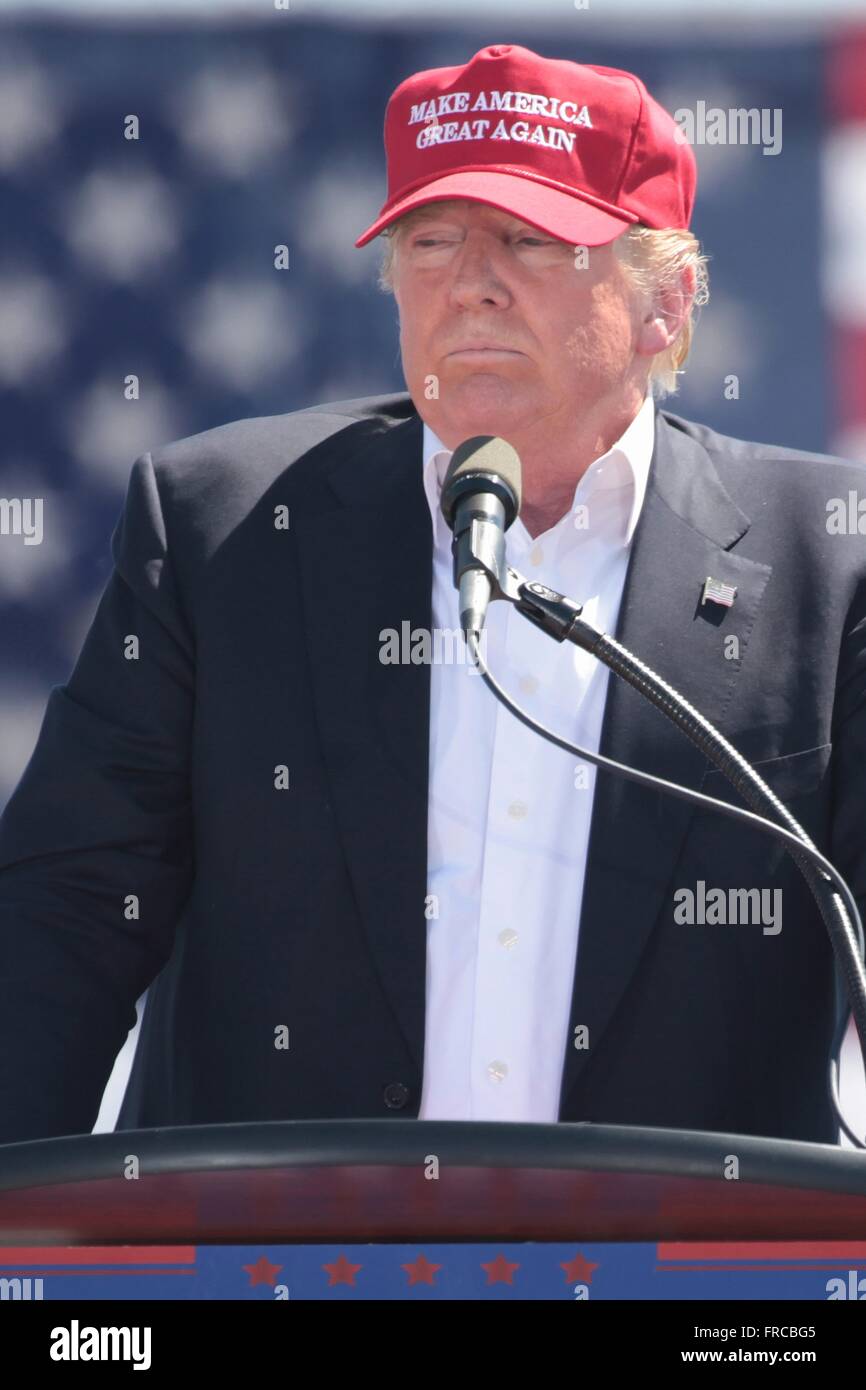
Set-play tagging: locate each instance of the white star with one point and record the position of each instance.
(123, 224)
(32, 330)
(719, 166)
(34, 560)
(334, 210)
(240, 332)
(843, 263)
(107, 432)
(29, 112)
(233, 121)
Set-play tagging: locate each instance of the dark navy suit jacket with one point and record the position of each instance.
(149, 841)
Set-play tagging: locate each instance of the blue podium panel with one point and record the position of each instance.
(717, 1270)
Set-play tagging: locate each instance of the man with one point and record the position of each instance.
(362, 888)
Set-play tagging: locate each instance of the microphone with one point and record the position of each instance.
(480, 499)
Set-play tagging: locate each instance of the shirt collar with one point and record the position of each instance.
(625, 465)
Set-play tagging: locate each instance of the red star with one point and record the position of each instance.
(341, 1272)
(262, 1272)
(421, 1272)
(499, 1271)
(578, 1270)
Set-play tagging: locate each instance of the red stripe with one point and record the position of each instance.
(748, 1269)
(846, 64)
(113, 1272)
(97, 1255)
(851, 1250)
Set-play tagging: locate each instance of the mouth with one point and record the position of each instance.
(485, 352)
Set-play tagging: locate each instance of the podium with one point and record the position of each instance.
(397, 1208)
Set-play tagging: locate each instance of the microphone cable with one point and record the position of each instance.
(838, 908)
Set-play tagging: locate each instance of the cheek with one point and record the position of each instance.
(601, 332)
(413, 336)
(408, 343)
(413, 353)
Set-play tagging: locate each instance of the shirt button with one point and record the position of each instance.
(528, 684)
(395, 1095)
(497, 1071)
(536, 555)
(507, 938)
(517, 810)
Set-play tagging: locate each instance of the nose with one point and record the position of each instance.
(476, 274)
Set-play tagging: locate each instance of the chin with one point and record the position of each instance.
(485, 394)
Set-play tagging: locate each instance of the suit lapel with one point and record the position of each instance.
(366, 566)
(686, 531)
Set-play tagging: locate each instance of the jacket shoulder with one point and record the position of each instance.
(261, 447)
(733, 455)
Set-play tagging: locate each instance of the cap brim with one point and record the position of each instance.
(567, 216)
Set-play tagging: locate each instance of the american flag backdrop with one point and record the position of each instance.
(153, 258)
(150, 169)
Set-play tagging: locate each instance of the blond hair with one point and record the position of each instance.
(654, 262)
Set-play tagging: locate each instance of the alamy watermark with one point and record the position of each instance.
(421, 646)
(700, 906)
(77, 1343)
(22, 516)
(737, 126)
(21, 1289)
(846, 516)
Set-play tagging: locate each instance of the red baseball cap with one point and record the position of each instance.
(578, 151)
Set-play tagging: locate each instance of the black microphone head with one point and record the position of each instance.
(484, 463)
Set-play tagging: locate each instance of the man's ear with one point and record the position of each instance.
(665, 316)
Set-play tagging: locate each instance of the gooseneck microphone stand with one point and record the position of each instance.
(561, 619)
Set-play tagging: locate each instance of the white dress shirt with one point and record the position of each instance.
(509, 813)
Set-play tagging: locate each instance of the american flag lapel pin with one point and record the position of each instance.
(717, 592)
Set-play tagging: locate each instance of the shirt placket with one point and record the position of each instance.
(506, 981)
